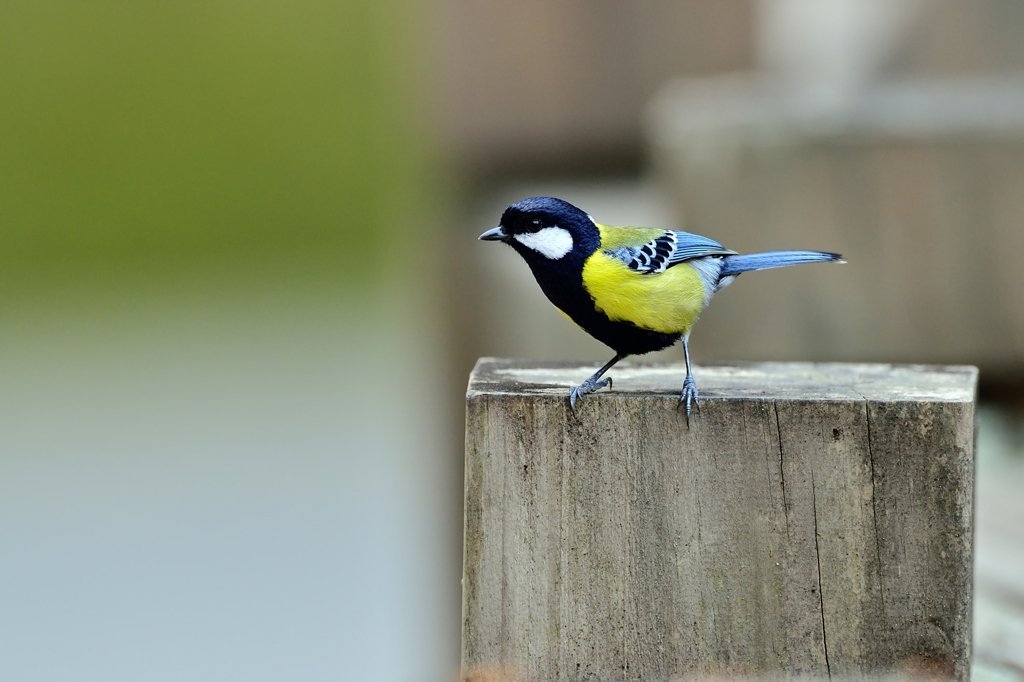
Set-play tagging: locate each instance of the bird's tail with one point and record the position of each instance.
(734, 265)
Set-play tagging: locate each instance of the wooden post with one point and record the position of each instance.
(813, 518)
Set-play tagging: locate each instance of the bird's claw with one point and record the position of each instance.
(588, 386)
(689, 396)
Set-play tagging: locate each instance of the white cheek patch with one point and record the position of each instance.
(551, 242)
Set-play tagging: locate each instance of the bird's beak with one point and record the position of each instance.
(495, 234)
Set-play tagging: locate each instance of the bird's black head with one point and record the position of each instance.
(547, 229)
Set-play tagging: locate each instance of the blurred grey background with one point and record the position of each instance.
(240, 291)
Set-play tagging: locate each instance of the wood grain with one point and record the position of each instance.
(813, 519)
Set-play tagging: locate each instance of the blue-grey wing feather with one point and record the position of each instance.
(690, 246)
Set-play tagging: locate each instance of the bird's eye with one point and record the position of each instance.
(536, 223)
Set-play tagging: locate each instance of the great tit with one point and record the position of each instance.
(634, 289)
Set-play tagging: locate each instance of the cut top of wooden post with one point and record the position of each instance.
(810, 519)
(768, 380)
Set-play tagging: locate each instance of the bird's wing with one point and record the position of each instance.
(651, 251)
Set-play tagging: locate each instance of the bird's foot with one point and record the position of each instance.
(689, 396)
(588, 386)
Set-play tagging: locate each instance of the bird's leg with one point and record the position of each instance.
(593, 383)
(689, 393)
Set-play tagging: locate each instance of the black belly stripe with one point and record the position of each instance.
(573, 299)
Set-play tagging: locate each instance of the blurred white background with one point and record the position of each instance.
(247, 490)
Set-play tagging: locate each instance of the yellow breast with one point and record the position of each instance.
(667, 302)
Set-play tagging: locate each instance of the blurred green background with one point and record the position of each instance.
(195, 145)
(240, 291)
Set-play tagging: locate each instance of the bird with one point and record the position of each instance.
(635, 289)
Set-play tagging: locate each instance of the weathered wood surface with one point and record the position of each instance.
(813, 519)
